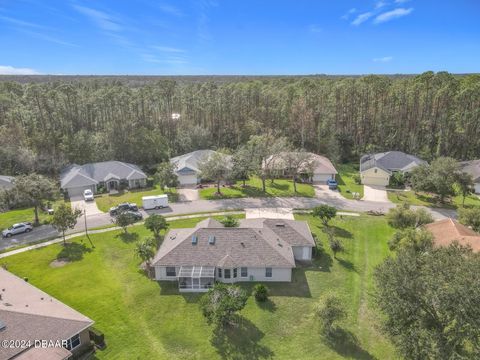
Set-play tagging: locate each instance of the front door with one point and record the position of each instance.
(112, 185)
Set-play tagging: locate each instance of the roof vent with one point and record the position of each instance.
(280, 225)
(194, 239)
(211, 239)
(2, 325)
(243, 244)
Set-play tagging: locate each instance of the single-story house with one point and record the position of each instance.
(318, 168)
(257, 250)
(376, 169)
(187, 166)
(75, 179)
(473, 168)
(6, 182)
(449, 230)
(29, 314)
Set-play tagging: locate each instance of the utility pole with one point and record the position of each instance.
(86, 228)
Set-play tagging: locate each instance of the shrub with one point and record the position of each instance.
(229, 221)
(357, 179)
(260, 292)
(329, 311)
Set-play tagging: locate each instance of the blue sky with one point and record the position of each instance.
(238, 36)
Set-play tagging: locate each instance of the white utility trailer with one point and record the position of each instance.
(154, 202)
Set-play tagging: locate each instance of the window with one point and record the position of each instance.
(73, 342)
(268, 272)
(171, 271)
(227, 273)
(219, 273)
(235, 272)
(243, 272)
(376, 171)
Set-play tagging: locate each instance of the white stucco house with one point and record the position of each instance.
(75, 179)
(318, 168)
(187, 166)
(257, 250)
(376, 169)
(473, 168)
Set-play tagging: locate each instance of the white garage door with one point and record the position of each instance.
(187, 179)
(371, 180)
(322, 178)
(477, 188)
(78, 191)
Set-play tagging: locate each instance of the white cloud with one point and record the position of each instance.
(168, 49)
(103, 20)
(384, 59)
(314, 28)
(349, 12)
(393, 14)
(362, 18)
(380, 4)
(10, 70)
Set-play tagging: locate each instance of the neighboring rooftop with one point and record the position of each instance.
(471, 167)
(94, 173)
(321, 164)
(192, 160)
(390, 161)
(448, 230)
(29, 313)
(6, 182)
(256, 243)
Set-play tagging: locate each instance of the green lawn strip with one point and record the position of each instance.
(106, 201)
(14, 216)
(144, 319)
(346, 182)
(430, 200)
(279, 188)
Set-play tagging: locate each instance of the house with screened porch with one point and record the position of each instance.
(258, 250)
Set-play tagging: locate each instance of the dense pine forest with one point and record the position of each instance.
(44, 125)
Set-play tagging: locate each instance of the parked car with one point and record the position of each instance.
(332, 184)
(88, 195)
(137, 215)
(19, 228)
(123, 207)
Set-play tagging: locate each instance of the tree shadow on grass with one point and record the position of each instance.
(127, 237)
(73, 252)
(321, 260)
(283, 187)
(346, 344)
(171, 288)
(240, 342)
(267, 305)
(338, 231)
(348, 265)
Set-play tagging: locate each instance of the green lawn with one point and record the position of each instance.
(427, 199)
(11, 217)
(280, 187)
(346, 182)
(106, 201)
(142, 319)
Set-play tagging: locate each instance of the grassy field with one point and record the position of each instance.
(106, 201)
(346, 182)
(281, 188)
(11, 217)
(426, 199)
(143, 319)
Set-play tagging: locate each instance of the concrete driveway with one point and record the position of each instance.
(187, 194)
(323, 192)
(375, 193)
(273, 213)
(89, 206)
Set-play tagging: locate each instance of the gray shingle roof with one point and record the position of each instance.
(471, 167)
(256, 243)
(321, 164)
(30, 313)
(6, 182)
(390, 161)
(191, 161)
(91, 174)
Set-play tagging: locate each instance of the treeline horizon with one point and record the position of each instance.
(46, 125)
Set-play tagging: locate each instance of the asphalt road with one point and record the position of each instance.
(190, 207)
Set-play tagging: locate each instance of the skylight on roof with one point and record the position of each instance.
(194, 239)
(211, 239)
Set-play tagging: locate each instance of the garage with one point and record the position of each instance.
(302, 253)
(375, 176)
(187, 180)
(75, 192)
(322, 178)
(477, 188)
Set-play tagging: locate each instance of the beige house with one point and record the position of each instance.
(376, 169)
(472, 168)
(257, 250)
(50, 329)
